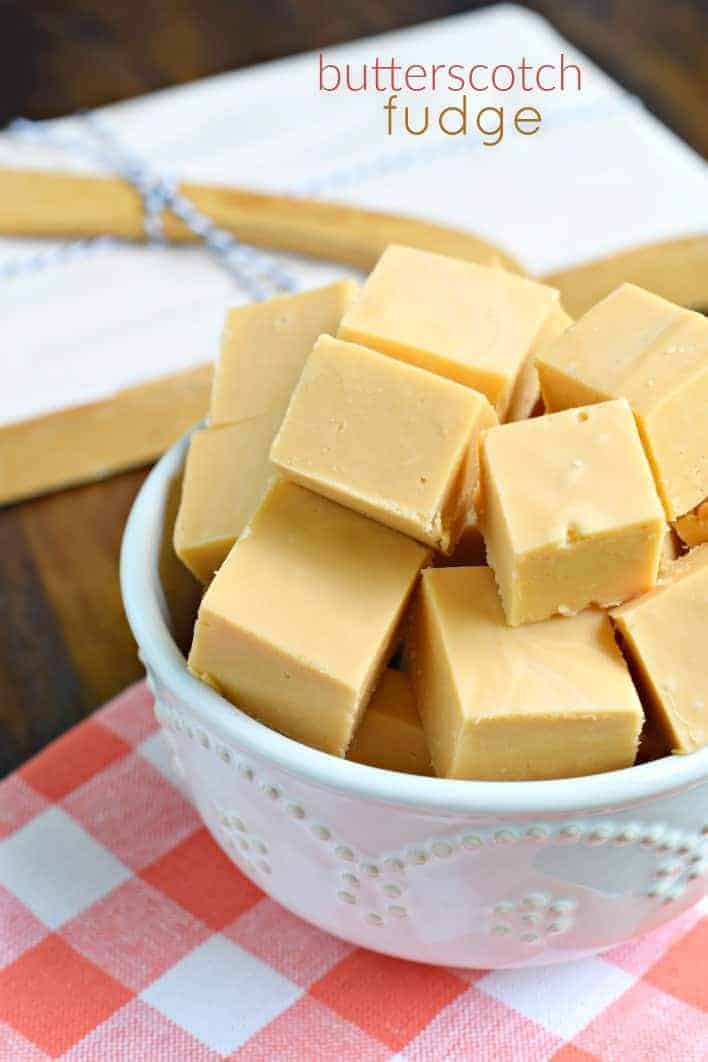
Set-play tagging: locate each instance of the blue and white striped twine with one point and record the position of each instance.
(256, 273)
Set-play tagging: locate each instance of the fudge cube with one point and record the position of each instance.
(569, 512)
(264, 346)
(225, 476)
(263, 349)
(552, 700)
(527, 400)
(390, 735)
(638, 346)
(664, 637)
(298, 623)
(474, 324)
(391, 441)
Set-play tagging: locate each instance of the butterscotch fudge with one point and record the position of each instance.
(263, 349)
(390, 735)
(474, 324)
(569, 511)
(225, 476)
(664, 636)
(552, 700)
(264, 346)
(640, 347)
(527, 398)
(389, 440)
(299, 621)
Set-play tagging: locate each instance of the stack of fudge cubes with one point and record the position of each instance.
(443, 466)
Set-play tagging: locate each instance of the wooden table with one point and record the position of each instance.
(65, 646)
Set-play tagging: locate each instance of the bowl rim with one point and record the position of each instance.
(144, 605)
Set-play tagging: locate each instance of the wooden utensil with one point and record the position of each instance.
(47, 203)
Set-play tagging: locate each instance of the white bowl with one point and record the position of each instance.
(477, 874)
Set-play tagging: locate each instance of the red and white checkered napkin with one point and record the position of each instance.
(125, 933)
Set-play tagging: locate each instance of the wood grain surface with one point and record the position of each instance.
(65, 646)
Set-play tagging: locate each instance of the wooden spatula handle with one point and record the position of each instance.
(47, 203)
(675, 269)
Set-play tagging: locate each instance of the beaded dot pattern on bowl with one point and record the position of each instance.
(383, 888)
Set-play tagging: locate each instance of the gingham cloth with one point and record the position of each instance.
(126, 934)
